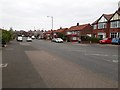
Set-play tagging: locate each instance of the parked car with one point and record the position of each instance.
(20, 38)
(58, 40)
(3, 43)
(105, 41)
(115, 41)
(33, 37)
(53, 40)
(29, 39)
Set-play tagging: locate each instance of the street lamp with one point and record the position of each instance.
(52, 21)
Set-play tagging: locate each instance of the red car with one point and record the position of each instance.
(106, 41)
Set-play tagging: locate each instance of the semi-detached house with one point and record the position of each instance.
(58, 32)
(107, 26)
(74, 33)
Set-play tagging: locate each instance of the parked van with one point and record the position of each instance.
(20, 38)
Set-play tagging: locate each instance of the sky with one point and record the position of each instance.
(32, 14)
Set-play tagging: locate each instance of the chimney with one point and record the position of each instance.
(60, 27)
(77, 24)
(119, 6)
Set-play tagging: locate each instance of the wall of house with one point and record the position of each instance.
(86, 30)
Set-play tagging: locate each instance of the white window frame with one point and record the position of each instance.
(102, 25)
(74, 32)
(74, 38)
(69, 33)
(115, 34)
(94, 26)
(115, 24)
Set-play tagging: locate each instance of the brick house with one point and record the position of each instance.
(108, 25)
(48, 34)
(114, 30)
(74, 33)
(58, 32)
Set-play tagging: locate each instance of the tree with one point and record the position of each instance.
(60, 35)
(6, 35)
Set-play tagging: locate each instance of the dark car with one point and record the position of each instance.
(105, 41)
(116, 41)
(3, 43)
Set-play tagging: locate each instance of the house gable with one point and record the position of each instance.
(116, 16)
(102, 19)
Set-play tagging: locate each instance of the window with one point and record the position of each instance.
(115, 24)
(74, 38)
(68, 33)
(118, 24)
(118, 34)
(94, 26)
(114, 35)
(102, 25)
(74, 32)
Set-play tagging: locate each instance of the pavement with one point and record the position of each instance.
(41, 64)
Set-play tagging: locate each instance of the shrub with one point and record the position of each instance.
(6, 35)
(92, 39)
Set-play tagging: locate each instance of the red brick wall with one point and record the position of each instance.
(87, 30)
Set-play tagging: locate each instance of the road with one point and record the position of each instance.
(45, 64)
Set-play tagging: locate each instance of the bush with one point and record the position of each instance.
(92, 39)
(60, 35)
(6, 35)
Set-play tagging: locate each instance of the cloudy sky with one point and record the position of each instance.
(30, 14)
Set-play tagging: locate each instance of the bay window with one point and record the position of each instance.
(115, 24)
(102, 25)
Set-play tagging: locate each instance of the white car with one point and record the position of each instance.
(53, 40)
(58, 40)
(20, 38)
(33, 37)
(29, 39)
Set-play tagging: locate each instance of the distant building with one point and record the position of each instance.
(59, 32)
(74, 33)
(48, 35)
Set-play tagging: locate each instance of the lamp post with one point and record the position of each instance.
(52, 21)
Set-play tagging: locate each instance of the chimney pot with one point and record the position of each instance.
(77, 24)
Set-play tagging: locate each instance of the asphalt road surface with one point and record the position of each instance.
(45, 64)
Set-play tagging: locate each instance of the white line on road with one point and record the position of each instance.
(98, 54)
(115, 61)
(3, 65)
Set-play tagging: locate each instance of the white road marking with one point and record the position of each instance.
(24, 43)
(98, 54)
(81, 44)
(115, 61)
(3, 65)
(105, 55)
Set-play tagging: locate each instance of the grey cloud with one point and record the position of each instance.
(25, 14)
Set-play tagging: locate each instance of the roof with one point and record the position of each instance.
(80, 27)
(118, 11)
(60, 30)
(107, 16)
(48, 32)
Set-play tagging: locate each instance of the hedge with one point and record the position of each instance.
(92, 39)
